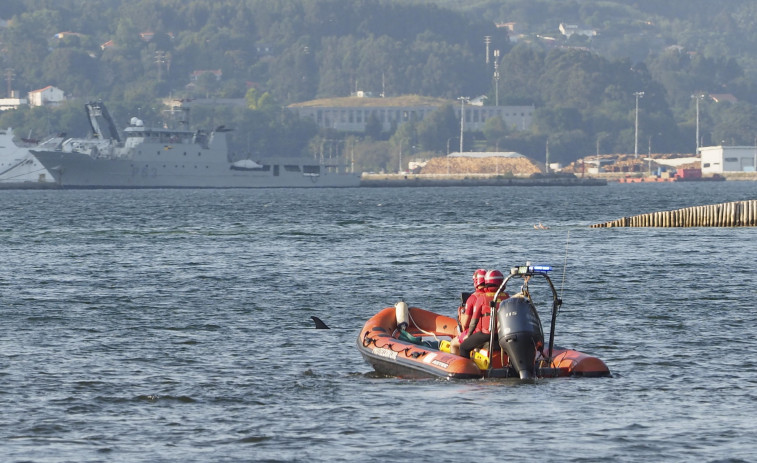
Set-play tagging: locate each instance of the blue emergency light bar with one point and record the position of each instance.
(541, 268)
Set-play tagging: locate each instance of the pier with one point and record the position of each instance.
(433, 180)
(732, 214)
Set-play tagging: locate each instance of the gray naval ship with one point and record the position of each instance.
(156, 157)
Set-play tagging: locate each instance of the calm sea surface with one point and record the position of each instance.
(174, 325)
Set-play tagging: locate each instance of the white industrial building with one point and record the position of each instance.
(351, 114)
(720, 159)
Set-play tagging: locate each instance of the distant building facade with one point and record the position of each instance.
(12, 103)
(571, 29)
(46, 96)
(351, 114)
(719, 159)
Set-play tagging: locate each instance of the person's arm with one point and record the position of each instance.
(471, 327)
(473, 321)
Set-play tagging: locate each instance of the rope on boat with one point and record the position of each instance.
(367, 341)
(409, 314)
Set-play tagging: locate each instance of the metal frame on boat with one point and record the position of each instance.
(405, 341)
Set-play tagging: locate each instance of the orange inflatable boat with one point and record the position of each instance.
(410, 341)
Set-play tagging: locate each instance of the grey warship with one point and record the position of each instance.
(159, 157)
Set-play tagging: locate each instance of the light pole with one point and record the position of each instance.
(352, 156)
(636, 136)
(399, 170)
(462, 99)
(598, 138)
(496, 77)
(599, 163)
(448, 140)
(698, 97)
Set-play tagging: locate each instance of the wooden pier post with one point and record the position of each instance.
(731, 214)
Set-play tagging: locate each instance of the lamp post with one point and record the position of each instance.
(399, 170)
(448, 140)
(636, 136)
(352, 156)
(463, 100)
(599, 137)
(698, 97)
(599, 163)
(496, 77)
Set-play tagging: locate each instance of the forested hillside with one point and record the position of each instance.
(132, 54)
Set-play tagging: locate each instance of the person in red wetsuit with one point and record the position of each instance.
(478, 332)
(465, 311)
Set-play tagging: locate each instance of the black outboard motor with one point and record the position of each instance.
(520, 332)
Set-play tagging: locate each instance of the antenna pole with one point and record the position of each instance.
(565, 264)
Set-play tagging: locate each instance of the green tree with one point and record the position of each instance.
(736, 126)
(495, 131)
(373, 127)
(436, 128)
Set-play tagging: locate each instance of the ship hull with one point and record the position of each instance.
(177, 170)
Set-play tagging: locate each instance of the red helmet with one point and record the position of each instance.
(494, 278)
(478, 277)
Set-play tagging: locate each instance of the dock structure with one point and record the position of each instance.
(432, 180)
(732, 214)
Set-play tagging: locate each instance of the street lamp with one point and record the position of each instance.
(599, 163)
(698, 97)
(448, 140)
(496, 77)
(463, 100)
(399, 169)
(636, 136)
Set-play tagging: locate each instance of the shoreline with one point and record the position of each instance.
(433, 180)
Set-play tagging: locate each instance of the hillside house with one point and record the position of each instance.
(46, 96)
(570, 29)
(12, 103)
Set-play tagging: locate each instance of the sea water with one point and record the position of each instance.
(174, 325)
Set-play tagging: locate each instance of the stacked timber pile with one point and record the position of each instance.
(494, 165)
(733, 214)
(627, 163)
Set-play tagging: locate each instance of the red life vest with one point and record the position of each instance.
(483, 309)
(468, 308)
